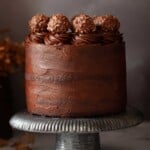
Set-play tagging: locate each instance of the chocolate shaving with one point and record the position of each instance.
(3, 142)
(20, 146)
(24, 142)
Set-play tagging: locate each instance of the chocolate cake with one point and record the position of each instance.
(75, 68)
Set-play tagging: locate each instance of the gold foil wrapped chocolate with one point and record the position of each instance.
(83, 24)
(38, 23)
(107, 23)
(58, 23)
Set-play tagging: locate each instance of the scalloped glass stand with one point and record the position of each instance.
(76, 133)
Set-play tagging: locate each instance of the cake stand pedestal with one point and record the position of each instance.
(76, 133)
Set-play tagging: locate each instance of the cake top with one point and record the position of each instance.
(80, 30)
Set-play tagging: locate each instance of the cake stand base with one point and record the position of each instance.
(83, 141)
(76, 133)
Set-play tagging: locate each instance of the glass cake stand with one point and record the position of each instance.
(76, 133)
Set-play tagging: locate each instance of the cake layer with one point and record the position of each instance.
(75, 81)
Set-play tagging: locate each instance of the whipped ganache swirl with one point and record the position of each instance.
(57, 39)
(83, 39)
(36, 37)
(111, 37)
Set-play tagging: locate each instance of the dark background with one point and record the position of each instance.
(135, 24)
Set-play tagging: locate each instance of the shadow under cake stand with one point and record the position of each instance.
(76, 133)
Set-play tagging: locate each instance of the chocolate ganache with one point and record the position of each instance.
(75, 68)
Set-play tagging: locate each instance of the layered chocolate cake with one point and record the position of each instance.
(75, 68)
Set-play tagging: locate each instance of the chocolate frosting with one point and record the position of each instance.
(111, 37)
(75, 39)
(57, 39)
(75, 81)
(83, 39)
(36, 37)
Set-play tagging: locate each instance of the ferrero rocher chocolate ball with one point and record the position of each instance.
(58, 23)
(38, 23)
(107, 22)
(83, 23)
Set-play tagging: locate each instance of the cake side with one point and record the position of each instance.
(75, 81)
